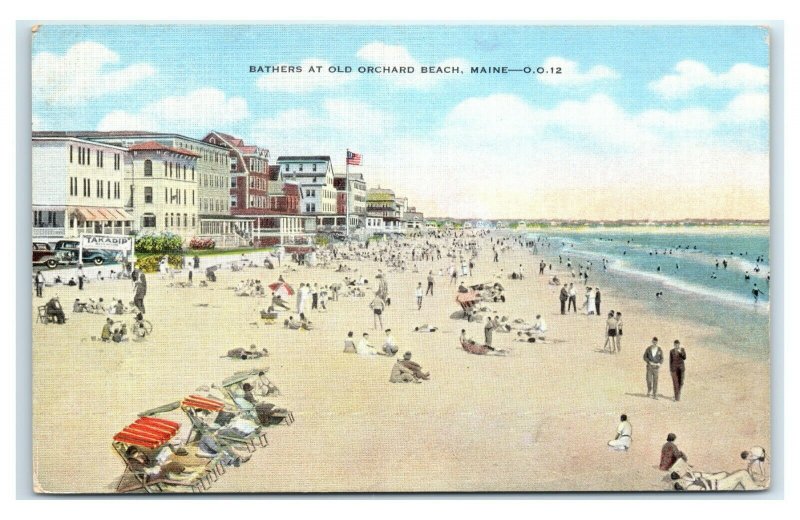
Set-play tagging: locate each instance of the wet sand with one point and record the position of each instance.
(537, 420)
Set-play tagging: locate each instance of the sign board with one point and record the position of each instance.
(108, 242)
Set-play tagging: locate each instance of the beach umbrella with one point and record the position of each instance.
(281, 288)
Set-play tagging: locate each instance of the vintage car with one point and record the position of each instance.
(43, 254)
(67, 252)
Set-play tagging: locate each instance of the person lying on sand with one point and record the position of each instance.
(480, 350)
(425, 328)
(251, 353)
(722, 481)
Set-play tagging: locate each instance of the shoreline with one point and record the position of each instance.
(537, 420)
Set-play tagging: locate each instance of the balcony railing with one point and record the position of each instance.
(48, 232)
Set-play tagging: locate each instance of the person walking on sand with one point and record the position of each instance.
(299, 301)
(418, 293)
(611, 333)
(429, 290)
(377, 307)
(653, 357)
(597, 301)
(677, 357)
(487, 331)
(619, 332)
(563, 297)
(38, 283)
(573, 294)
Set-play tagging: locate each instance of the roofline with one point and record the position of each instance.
(92, 135)
(304, 158)
(78, 140)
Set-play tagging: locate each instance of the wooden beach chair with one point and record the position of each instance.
(42, 316)
(214, 465)
(230, 383)
(148, 434)
(195, 402)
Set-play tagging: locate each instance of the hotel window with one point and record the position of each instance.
(233, 182)
(192, 197)
(177, 196)
(170, 169)
(193, 222)
(233, 201)
(97, 158)
(314, 167)
(185, 200)
(192, 172)
(148, 195)
(70, 153)
(166, 196)
(165, 168)
(108, 189)
(148, 220)
(166, 220)
(184, 172)
(88, 157)
(185, 220)
(148, 168)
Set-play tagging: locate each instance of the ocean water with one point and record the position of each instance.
(688, 267)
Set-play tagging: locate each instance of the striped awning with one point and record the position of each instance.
(102, 214)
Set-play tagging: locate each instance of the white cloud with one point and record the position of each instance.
(36, 123)
(570, 75)
(747, 107)
(305, 81)
(82, 74)
(338, 124)
(383, 55)
(691, 75)
(200, 109)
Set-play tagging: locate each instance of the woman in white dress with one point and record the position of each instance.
(588, 304)
(623, 439)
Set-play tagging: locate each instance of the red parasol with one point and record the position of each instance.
(281, 288)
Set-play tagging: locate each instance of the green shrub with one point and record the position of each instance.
(158, 243)
(149, 263)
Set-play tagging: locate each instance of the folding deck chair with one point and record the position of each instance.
(193, 403)
(228, 384)
(214, 465)
(149, 433)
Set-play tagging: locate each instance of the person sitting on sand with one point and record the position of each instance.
(78, 306)
(305, 323)
(407, 371)
(462, 289)
(540, 327)
(106, 333)
(291, 323)
(120, 334)
(349, 344)
(670, 454)
(264, 386)
(119, 307)
(425, 328)
(277, 301)
(389, 344)
(622, 442)
(54, 310)
(364, 348)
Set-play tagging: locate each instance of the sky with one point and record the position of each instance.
(643, 122)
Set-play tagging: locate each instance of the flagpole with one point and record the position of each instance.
(347, 194)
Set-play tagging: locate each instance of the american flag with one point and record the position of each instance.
(353, 158)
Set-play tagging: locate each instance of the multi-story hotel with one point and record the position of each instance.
(212, 175)
(382, 203)
(163, 188)
(355, 197)
(78, 187)
(249, 172)
(313, 175)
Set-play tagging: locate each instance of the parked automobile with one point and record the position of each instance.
(67, 252)
(44, 255)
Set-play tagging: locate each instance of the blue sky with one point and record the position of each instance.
(684, 104)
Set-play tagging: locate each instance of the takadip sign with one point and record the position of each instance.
(109, 242)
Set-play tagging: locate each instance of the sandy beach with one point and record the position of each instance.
(536, 420)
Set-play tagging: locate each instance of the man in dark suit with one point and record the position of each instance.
(677, 356)
(597, 301)
(653, 357)
(564, 296)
